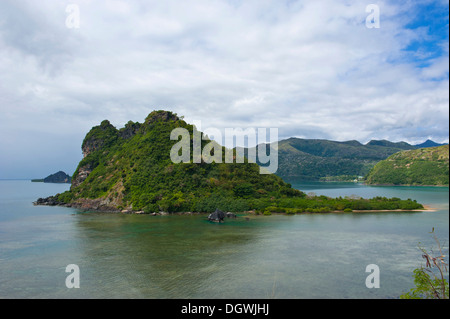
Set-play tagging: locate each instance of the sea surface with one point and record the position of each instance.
(320, 256)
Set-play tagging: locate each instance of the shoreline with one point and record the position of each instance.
(112, 210)
(426, 208)
(403, 185)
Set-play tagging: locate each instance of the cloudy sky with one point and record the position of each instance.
(312, 69)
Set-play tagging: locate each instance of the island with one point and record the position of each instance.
(58, 177)
(130, 170)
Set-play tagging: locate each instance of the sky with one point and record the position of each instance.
(312, 69)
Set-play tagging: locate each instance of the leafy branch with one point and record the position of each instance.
(430, 280)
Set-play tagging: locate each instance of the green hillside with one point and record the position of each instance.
(314, 159)
(425, 166)
(130, 169)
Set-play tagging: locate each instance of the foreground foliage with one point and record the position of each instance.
(430, 280)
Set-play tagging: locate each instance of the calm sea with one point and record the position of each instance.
(141, 256)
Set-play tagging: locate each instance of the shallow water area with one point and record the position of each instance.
(185, 256)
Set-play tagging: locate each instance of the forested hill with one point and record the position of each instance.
(314, 159)
(132, 170)
(425, 166)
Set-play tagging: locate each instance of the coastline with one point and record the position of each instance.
(98, 206)
(426, 208)
(403, 185)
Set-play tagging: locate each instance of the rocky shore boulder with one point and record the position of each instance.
(217, 216)
(49, 201)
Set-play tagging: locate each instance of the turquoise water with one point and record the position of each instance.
(278, 256)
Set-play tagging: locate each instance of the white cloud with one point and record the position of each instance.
(311, 68)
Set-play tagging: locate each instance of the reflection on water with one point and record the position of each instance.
(168, 256)
(142, 256)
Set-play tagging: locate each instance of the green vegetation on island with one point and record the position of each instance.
(130, 169)
(425, 166)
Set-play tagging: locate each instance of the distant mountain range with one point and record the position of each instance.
(429, 143)
(317, 159)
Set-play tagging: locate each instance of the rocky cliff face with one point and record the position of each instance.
(82, 173)
(106, 134)
(130, 130)
(98, 137)
(160, 116)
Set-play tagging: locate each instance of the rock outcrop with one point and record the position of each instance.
(130, 130)
(81, 174)
(49, 201)
(98, 137)
(217, 216)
